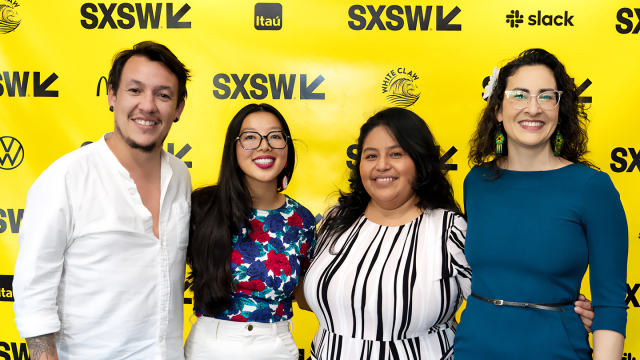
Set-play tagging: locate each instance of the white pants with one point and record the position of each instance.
(213, 339)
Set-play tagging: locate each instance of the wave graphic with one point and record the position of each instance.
(403, 93)
(8, 17)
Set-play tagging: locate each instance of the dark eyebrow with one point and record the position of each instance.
(161, 87)
(369, 149)
(375, 149)
(527, 90)
(254, 130)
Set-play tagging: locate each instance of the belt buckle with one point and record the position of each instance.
(498, 302)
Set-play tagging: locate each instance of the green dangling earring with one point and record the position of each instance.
(499, 139)
(557, 143)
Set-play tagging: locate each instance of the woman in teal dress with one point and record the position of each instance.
(538, 215)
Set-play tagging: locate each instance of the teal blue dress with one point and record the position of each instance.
(531, 236)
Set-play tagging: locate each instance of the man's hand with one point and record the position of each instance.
(585, 310)
(42, 347)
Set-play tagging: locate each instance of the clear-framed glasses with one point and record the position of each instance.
(251, 140)
(519, 99)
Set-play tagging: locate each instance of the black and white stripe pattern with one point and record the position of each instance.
(391, 292)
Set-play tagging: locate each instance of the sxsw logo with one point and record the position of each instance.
(268, 16)
(280, 87)
(515, 18)
(13, 83)
(17, 350)
(625, 25)
(147, 13)
(11, 153)
(14, 216)
(397, 16)
(620, 164)
(631, 295)
(353, 155)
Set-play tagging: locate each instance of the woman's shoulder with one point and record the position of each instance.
(448, 218)
(293, 206)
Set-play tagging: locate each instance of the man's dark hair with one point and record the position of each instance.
(154, 52)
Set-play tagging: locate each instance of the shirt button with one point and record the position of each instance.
(164, 275)
(250, 327)
(132, 192)
(161, 338)
(163, 308)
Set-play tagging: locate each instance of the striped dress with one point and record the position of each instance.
(391, 292)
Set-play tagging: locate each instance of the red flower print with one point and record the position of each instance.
(248, 286)
(278, 263)
(236, 257)
(304, 248)
(239, 318)
(256, 225)
(262, 237)
(280, 310)
(295, 220)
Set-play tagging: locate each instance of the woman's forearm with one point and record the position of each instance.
(607, 345)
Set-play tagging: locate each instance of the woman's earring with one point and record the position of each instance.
(557, 143)
(499, 139)
(285, 182)
(111, 108)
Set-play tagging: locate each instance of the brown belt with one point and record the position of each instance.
(549, 307)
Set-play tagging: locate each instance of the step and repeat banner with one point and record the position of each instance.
(327, 65)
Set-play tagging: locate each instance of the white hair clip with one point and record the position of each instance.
(488, 90)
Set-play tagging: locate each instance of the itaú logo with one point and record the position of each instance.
(11, 153)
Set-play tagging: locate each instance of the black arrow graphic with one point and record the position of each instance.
(446, 158)
(185, 149)
(581, 89)
(444, 23)
(40, 89)
(306, 92)
(173, 21)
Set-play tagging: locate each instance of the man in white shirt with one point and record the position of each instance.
(100, 272)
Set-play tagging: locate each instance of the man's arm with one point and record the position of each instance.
(44, 235)
(42, 347)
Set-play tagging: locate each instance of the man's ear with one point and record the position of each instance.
(179, 109)
(111, 95)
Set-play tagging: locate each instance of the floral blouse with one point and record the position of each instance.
(267, 263)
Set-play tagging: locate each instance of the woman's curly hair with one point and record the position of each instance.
(572, 119)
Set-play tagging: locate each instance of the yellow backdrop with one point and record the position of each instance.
(341, 60)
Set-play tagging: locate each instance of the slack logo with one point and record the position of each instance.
(15, 83)
(620, 164)
(397, 16)
(625, 25)
(281, 87)
(150, 14)
(515, 18)
(268, 16)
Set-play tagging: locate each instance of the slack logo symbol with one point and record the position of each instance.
(268, 16)
(515, 18)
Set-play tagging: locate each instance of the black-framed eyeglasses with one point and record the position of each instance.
(519, 99)
(251, 140)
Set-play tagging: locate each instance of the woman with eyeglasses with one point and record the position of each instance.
(249, 245)
(538, 215)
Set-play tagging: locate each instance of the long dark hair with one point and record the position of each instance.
(572, 119)
(431, 184)
(218, 211)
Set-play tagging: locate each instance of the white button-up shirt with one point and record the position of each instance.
(91, 270)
